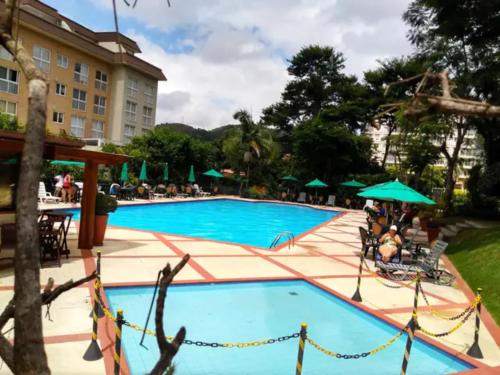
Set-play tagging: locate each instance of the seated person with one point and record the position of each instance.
(389, 243)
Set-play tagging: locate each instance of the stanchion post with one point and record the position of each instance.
(118, 341)
(93, 352)
(100, 312)
(302, 343)
(412, 326)
(475, 350)
(357, 295)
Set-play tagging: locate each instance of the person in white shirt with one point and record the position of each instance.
(59, 187)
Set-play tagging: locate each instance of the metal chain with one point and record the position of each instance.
(379, 348)
(449, 332)
(439, 314)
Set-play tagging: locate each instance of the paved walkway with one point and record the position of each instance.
(327, 256)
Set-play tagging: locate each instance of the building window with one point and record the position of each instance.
(79, 99)
(8, 107)
(9, 80)
(60, 89)
(97, 129)
(62, 61)
(81, 73)
(101, 80)
(149, 94)
(4, 54)
(129, 131)
(77, 126)
(41, 57)
(99, 105)
(132, 87)
(58, 117)
(131, 110)
(147, 116)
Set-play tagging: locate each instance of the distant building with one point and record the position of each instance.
(99, 90)
(471, 152)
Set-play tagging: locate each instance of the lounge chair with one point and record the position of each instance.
(368, 240)
(44, 196)
(302, 197)
(428, 266)
(331, 200)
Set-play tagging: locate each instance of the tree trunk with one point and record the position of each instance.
(29, 353)
(387, 144)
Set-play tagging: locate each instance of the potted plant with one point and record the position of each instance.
(104, 204)
(424, 217)
(433, 229)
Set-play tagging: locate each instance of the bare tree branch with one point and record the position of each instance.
(167, 349)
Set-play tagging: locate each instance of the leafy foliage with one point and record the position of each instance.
(8, 122)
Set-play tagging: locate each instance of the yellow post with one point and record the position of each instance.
(118, 341)
(475, 350)
(93, 352)
(302, 343)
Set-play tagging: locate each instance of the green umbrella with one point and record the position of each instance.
(290, 178)
(316, 184)
(124, 173)
(375, 186)
(213, 173)
(68, 162)
(396, 191)
(143, 176)
(165, 172)
(191, 178)
(353, 183)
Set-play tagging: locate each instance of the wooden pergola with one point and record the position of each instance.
(61, 148)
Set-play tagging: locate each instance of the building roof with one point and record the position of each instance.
(38, 16)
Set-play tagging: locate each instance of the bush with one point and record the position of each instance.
(104, 204)
(257, 192)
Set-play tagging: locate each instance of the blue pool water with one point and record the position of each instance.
(233, 312)
(248, 223)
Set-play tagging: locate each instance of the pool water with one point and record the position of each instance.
(233, 312)
(248, 223)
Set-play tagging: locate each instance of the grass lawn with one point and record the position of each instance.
(476, 255)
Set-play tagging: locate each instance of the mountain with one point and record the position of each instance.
(207, 135)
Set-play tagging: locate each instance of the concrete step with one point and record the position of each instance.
(475, 224)
(448, 232)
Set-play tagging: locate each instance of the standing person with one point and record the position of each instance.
(67, 188)
(59, 191)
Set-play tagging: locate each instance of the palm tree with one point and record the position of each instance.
(254, 140)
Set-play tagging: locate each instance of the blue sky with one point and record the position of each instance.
(223, 55)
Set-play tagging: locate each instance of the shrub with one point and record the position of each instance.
(257, 192)
(104, 204)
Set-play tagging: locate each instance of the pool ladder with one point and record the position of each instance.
(290, 239)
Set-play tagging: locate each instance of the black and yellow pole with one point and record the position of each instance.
(118, 341)
(93, 352)
(475, 350)
(302, 343)
(412, 326)
(357, 295)
(100, 312)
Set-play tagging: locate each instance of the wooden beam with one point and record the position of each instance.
(87, 215)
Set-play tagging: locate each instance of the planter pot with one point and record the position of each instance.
(424, 221)
(432, 233)
(101, 222)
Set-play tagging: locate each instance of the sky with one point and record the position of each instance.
(220, 56)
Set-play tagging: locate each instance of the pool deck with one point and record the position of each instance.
(326, 256)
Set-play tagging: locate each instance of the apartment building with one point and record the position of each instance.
(471, 152)
(99, 90)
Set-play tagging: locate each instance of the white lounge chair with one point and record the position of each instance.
(44, 196)
(302, 197)
(331, 200)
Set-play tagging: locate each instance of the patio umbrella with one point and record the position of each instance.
(124, 173)
(375, 186)
(396, 191)
(143, 176)
(68, 162)
(165, 172)
(290, 178)
(316, 184)
(213, 173)
(191, 178)
(353, 183)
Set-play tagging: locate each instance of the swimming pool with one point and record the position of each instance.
(233, 312)
(248, 223)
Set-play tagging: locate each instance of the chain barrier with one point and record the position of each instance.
(379, 348)
(440, 315)
(446, 333)
(403, 285)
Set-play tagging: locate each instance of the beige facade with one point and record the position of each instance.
(98, 89)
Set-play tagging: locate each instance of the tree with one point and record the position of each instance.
(249, 144)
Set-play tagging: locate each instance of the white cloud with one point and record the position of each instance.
(235, 50)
